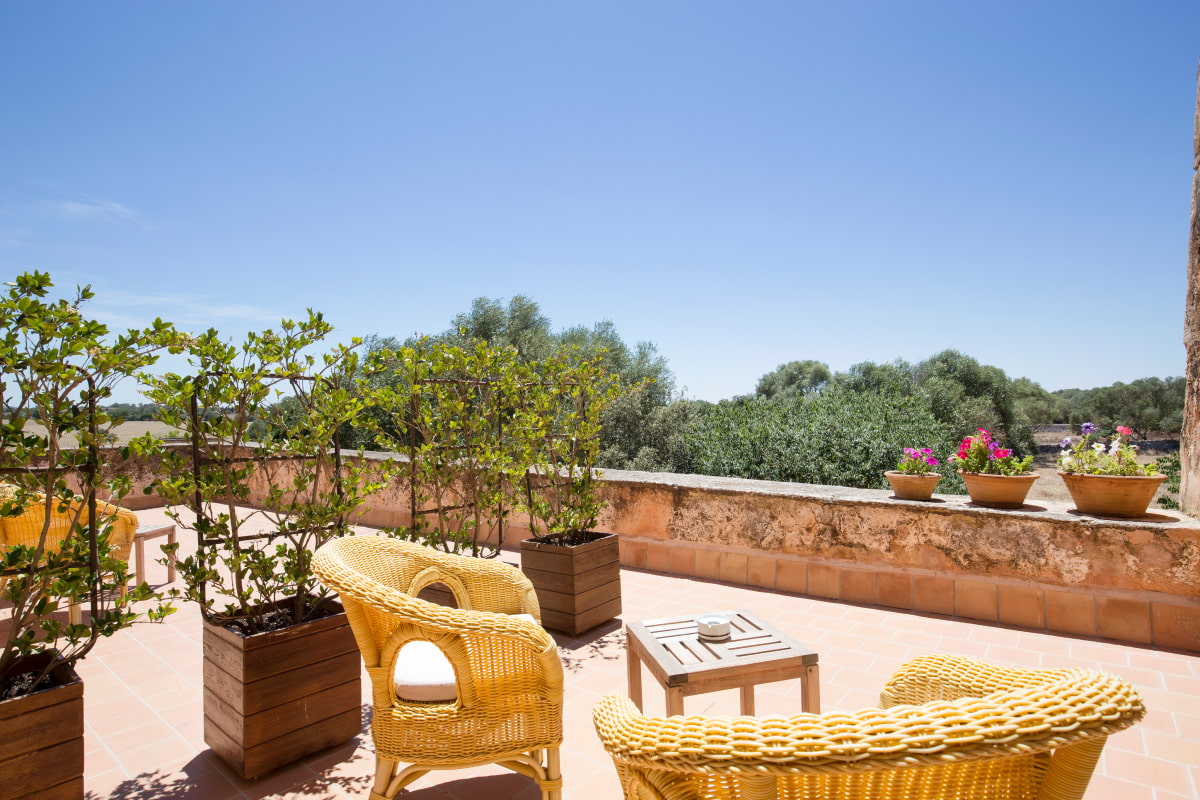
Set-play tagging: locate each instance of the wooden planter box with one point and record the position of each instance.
(272, 698)
(41, 742)
(577, 587)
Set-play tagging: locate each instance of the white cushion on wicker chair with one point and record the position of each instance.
(423, 674)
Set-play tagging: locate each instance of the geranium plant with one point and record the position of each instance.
(1092, 455)
(982, 454)
(917, 461)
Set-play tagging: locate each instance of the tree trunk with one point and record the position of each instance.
(1189, 444)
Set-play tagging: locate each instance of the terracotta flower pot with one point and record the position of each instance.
(998, 491)
(1112, 495)
(912, 487)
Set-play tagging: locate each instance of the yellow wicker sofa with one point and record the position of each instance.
(948, 727)
(504, 698)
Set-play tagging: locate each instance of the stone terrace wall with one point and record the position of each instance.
(1043, 567)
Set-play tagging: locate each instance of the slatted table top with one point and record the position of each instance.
(674, 652)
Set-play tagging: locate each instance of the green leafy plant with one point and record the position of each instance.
(260, 508)
(560, 420)
(1169, 466)
(57, 365)
(450, 411)
(917, 461)
(1093, 455)
(984, 455)
(486, 432)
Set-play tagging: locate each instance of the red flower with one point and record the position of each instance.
(1124, 431)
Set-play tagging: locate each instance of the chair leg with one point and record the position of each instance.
(553, 776)
(384, 769)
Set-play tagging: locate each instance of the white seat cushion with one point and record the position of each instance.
(423, 674)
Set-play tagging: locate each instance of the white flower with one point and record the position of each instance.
(1098, 447)
(1115, 447)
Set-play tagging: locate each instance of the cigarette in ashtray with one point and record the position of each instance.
(712, 627)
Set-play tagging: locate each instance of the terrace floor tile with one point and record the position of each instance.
(144, 695)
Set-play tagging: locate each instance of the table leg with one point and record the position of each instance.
(748, 701)
(171, 558)
(810, 689)
(139, 541)
(633, 666)
(674, 701)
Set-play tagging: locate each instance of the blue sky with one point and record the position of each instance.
(741, 183)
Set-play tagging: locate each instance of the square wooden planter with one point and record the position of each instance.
(577, 587)
(41, 742)
(273, 698)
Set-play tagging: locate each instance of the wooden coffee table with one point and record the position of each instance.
(685, 665)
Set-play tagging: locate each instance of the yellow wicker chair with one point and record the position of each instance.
(26, 529)
(949, 727)
(507, 695)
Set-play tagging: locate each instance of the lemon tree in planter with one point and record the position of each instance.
(57, 542)
(281, 669)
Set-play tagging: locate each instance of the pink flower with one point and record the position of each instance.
(1002, 453)
(1124, 431)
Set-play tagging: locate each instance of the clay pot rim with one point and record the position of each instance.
(1065, 474)
(910, 475)
(1034, 475)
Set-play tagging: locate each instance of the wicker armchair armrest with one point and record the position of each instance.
(943, 677)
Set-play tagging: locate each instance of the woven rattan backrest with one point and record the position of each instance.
(951, 727)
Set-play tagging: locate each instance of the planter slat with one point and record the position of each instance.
(576, 624)
(29, 773)
(265, 758)
(251, 698)
(18, 707)
(566, 582)
(259, 663)
(578, 602)
(254, 729)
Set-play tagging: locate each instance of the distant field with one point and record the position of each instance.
(126, 430)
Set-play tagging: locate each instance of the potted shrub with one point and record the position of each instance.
(281, 668)
(994, 476)
(54, 536)
(1105, 478)
(575, 570)
(914, 478)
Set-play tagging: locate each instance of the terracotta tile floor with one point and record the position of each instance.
(145, 730)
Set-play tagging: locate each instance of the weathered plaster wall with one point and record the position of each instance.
(1045, 543)
(1042, 567)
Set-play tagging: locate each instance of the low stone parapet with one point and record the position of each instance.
(1043, 567)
